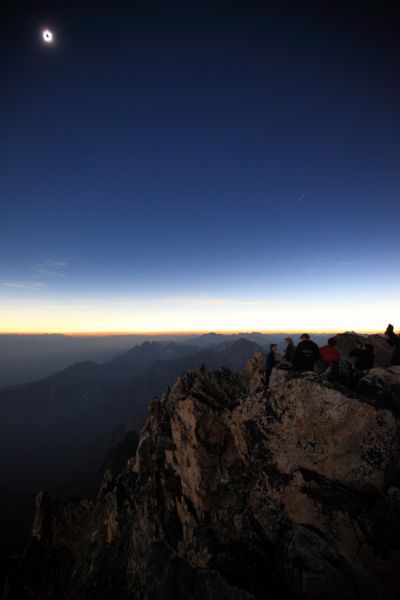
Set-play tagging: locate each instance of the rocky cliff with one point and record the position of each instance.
(236, 492)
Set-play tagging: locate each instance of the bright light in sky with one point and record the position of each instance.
(47, 36)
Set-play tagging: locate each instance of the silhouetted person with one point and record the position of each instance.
(270, 362)
(305, 354)
(394, 341)
(290, 348)
(365, 357)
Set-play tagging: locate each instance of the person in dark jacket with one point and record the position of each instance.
(290, 348)
(270, 362)
(305, 354)
(365, 357)
(394, 341)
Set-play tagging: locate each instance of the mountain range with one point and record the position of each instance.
(29, 357)
(57, 429)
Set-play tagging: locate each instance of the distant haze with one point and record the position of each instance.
(25, 358)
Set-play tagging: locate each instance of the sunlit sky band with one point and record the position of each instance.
(183, 314)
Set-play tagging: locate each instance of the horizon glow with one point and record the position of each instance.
(181, 315)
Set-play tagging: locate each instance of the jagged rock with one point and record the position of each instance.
(382, 350)
(254, 364)
(382, 387)
(237, 492)
(315, 569)
(278, 377)
(169, 577)
(321, 429)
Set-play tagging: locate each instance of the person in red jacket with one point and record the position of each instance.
(329, 353)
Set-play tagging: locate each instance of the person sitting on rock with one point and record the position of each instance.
(270, 362)
(305, 354)
(365, 357)
(329, 353)
(330, 357)
(394, 341)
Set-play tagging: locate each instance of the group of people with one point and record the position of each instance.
(307, 356)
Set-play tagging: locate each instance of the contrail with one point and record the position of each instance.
(300, 198)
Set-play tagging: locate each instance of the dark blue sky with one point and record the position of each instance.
(183, 164)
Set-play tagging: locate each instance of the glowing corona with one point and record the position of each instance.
(47, 36)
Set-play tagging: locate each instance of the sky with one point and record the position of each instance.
(199, 166)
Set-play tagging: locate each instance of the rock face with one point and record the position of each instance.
(382, 350)
(236, 492)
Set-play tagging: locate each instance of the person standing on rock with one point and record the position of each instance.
(305, 354)
(290, 348)
(270, 362)
(394, 341)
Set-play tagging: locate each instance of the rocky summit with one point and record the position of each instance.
(237, 492)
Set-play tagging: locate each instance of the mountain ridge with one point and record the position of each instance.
(235, 490)
(78, 411)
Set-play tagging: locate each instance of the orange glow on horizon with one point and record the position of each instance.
(193, 332)
(191, 316)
